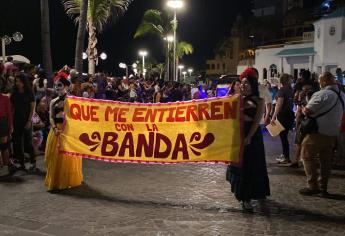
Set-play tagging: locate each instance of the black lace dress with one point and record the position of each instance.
(250, 181)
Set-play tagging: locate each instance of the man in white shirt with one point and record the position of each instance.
(327, 106)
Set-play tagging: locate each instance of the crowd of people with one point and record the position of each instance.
(312, 106)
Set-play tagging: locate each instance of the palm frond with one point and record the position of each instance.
(184, 48)
(146, 28)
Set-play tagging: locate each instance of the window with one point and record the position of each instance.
(273, 70)
(264, 72)
(223, 66)
(218, 66)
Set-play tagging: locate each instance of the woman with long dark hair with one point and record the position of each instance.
(23, 104)
(250, 180)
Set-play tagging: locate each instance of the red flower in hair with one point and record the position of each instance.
(252, 72)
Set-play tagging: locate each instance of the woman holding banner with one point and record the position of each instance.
(250, 181)
(63, 172)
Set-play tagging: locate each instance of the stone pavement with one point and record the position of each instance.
(121, 199)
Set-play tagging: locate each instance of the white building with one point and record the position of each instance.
(318, 52)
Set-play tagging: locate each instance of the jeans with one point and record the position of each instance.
(22, 141)
(285, 143)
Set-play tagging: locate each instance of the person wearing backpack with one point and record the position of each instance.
(324, 113)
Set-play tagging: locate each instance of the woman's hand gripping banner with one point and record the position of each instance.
(195, 131)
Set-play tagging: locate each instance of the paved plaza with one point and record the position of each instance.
(128, 199)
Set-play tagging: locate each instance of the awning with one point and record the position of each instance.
(296, 52)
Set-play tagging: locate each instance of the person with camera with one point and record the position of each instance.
(321, 127)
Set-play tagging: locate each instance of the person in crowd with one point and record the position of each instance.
(132, 93)
(341, 141)
(285, 115)
(250, 181)
(42, 111)
(9, 66)
(30, 72)
(327, 107)
(23, 104)
(37, 136)
(235, 88)
(340, 76)
(40, 85)
(6, 127)
(176, 94)
(63, 172)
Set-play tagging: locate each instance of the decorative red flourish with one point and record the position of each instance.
(208, 140)
(84, 138)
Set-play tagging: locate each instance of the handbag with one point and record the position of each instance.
(309, 124)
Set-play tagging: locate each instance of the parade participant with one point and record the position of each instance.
(6, 126)
(285, 115)
(250, 181)
(23, 104)
(63, 172)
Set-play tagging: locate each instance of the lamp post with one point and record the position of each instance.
(169, 40)
(190, 71)
(125, 66)
(175, 5)
(143, 54)
(181, 67)
(184, 74)
(6, 40)
(103, 56)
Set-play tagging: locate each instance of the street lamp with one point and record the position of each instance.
(181, 67)
(103, 56)
(169, 39)
(6, 40)
(124, 66)
(184, 74)
(143, 54)
(175, 5)
(190, 71)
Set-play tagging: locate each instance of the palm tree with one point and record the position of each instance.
(45, 34)
(99, 14)
(159, 23)
(82, 24)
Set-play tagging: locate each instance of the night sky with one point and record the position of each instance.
(203, 23)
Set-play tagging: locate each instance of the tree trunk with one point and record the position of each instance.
(45, 34)
(91, 49)
(79, 49)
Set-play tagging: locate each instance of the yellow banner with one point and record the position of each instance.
(195, 131)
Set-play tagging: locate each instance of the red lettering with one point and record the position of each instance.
(75, 112)
(127, 143)
(180, 146)
(118, 127)
(230, 110)
(179, 116)
(215, 108)
(203, 111)
(110, 111)
(150, 115)
(93, 113)
(137, 116)
(191, 113)
(161, 139)
(122, 113)
(171, 115)
(144, 145)
(109, 140)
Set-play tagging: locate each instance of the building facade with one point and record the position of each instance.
(319, 51)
